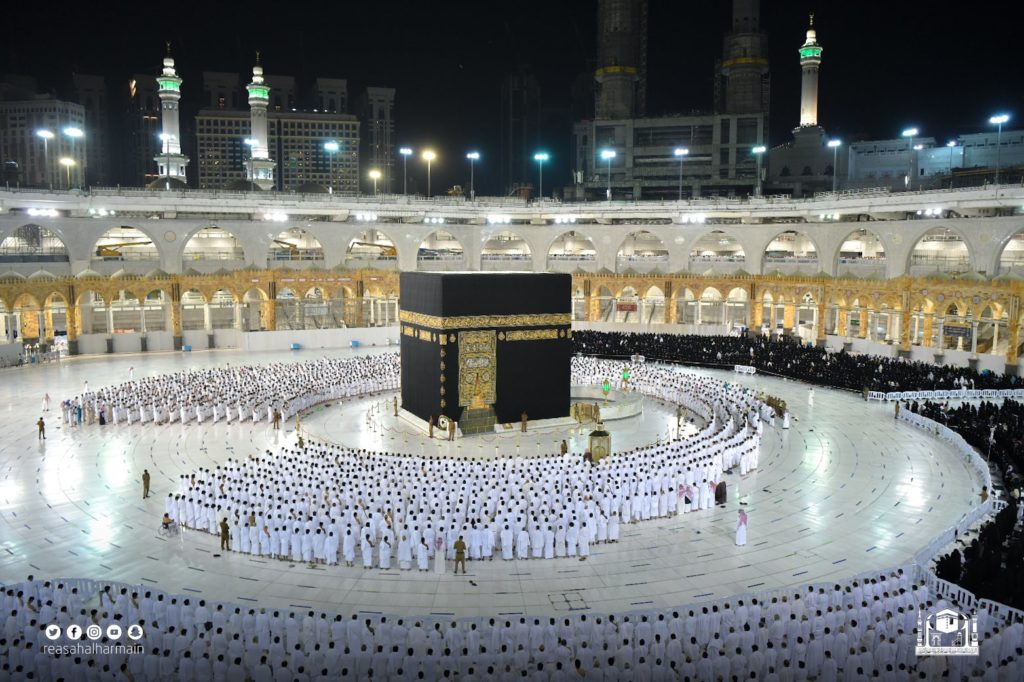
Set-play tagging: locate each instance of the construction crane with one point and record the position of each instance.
(113, 250)
(385, 249)
(293, 250)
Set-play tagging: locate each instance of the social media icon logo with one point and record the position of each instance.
(74, 632)
(113, 631)
(52, 632)
(135, 632)
(94, 632)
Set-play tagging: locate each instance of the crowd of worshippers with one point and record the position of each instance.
(325, 503)
(240, 393)
(790, 358)
(991, 565)
(854, 630)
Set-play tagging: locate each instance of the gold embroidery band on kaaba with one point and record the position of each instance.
(532, 334)
(484, 321)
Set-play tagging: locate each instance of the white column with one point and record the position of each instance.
(206, 318)
(942, 335)
(238, 316)
(142, 318)
(974, 337)
(995, 336)
(110, 318)
(699, 311)
(916, 325)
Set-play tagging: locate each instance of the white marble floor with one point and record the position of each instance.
(844, 491)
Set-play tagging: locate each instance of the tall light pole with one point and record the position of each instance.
(46, 136)
(67, 163)
(166, 138)
(949, 146)
(758, 152)
(540, 158)
(999, 120)
(835, 162)
(473, 158)
(250, 143)
(73, 133)
(681, 153)
(406, 152)
(331, 147)
(910, 133)
(428, 156)
(608, 155)
(375, 176)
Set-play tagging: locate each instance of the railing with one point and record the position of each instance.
(573, 257)
(217, 254)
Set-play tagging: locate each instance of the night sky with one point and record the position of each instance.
(886, 65)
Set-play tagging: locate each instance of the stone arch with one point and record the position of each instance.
(126, 243)
(572, 248)
(793, 250)
(294, 245)
(717, 250)
(441, 250)
(193, 309)
(940, 249)
(861, 253)
(506, 250)
(653, 304)
(211, 247)
(34, 243)
(371, 248)
(1011, 254)
(641, 250)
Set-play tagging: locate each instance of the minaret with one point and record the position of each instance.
(810, 62)
(621, 58)
(742, 77)
(260, 168)
(171, 162)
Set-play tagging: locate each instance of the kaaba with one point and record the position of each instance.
(482, 348)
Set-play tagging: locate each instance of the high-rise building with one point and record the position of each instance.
(170, 162)
(296, 147)
(282, 93)
(142, 131)
(621, 73)
(632, 156)
(330, 95)
(520, 129)
(27, 157)
(742, 83)
(377, 112)
(222, 90)
(91, 92)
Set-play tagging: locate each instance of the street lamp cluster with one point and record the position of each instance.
(72, 133)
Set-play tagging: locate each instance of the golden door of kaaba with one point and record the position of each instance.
(477, 369)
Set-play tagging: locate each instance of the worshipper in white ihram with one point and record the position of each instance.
(741, 529)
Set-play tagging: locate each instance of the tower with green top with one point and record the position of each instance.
(170, 162)
(810, 62)
(260, 166)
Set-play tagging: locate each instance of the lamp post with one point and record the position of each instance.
(835, 162)
(166, 138)
(949, 146)
(406, 152)
(331, 147)
(608, 155)
(46, 136)
(681, 153)
(473, 158)
(375, 176)
(999, 120)
(250, 143)
(428, 156)
(758, 151)
(910, 133)
(73, 133)
(67, 163)
(540, 158)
